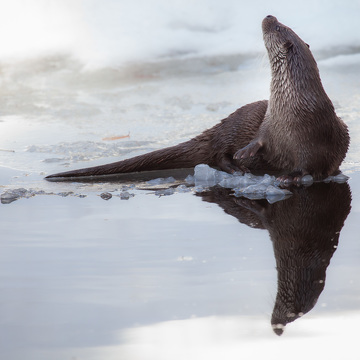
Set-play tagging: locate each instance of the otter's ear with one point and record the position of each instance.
(307, 45)
(288, 45)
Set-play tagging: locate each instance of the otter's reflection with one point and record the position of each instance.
(305, 232)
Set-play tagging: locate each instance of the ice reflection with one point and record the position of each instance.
(304, 230)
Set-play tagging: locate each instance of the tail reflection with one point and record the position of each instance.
(305, 232)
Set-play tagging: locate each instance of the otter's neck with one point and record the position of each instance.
(296, 85)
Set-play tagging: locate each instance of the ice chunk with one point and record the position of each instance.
(11, 195)
(190, 180)
(272, 190)
(160, 181)
(267, 179)
(274, 194)
(128, 187)
(340, 178)
(183, 189)
(125, 195)
(201, 188)
(165, 192)
(64, 193)
(247, 185)
(204, 174)
(106, 196)
(254, 192)
(263, 191)
(238, 180)
(307, 180)
(255, 189)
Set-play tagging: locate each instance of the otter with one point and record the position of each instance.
(294, 133)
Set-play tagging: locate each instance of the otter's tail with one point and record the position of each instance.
(185, 155)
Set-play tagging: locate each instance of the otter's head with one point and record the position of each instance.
(282, 44)
(295, 75)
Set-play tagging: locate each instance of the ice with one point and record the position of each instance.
(62, 194)
(247, 185)
(340, 178)
(11, 195)
(205, 175)
(256, 189)
(262, 191)
(201, 188)
(307, 180)
(275, 191)
(237, 181)
(190, 180)
(163, 29)
(161, 181)
(88, 150)
(106, 196)
(183, 189)
(165, 192)
(125, 195)
(267, 179)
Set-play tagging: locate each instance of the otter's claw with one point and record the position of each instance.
(249, 150)
(294, 177)
(225, 164)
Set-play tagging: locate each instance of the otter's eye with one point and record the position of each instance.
(277, 28)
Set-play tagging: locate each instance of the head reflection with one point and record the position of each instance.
(304, 230)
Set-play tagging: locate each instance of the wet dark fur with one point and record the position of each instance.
(295, 133)
(300, 132)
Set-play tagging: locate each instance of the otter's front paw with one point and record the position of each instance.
(296, 177)
(249, 150)
(225, 164)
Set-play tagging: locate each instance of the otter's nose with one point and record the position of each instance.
(270, 19)
(268, 23)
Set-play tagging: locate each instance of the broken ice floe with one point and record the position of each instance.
(88, 150)
(166, 186)
(246, 185)
(340, 178)
(124, 195)
(106, 196)
(249, 185)
(165, 192)
(161, 181)
(11, 195)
